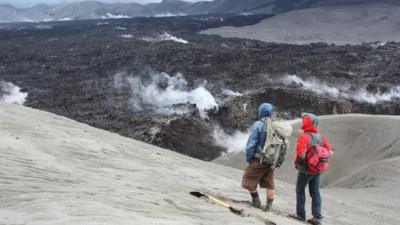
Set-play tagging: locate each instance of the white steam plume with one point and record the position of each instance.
(378, 44)
(113, 16)
(127, 36)
(168, 14)
(66, 19)
(365, 96)
(360, 95)
(165, 37)
(232, 143)
(312, 85)
(11, 93)
(163, 92)
(169, 37)
(228, 92)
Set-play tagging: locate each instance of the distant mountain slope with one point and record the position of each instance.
(7, 13)
(95, 10)
(231, 6)
(339, 25)
(89, 10)
(272, 6)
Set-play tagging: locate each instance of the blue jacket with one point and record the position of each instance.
(258, 134)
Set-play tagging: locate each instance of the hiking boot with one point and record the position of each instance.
(297, 217)
(255, 202)
(268, 206)
(314, 221)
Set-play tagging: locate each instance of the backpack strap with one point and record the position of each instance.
(268, 130)
(316, 139)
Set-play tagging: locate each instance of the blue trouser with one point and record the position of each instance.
(313, 185)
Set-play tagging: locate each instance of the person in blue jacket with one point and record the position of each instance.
(257, 173)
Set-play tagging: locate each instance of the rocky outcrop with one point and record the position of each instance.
(189, 136)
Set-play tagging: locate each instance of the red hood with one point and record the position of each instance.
(308, 125)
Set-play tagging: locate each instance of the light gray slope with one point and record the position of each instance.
(367, 149)
(350, 24)
(56, 171)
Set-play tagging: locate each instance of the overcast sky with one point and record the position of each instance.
(29, 3)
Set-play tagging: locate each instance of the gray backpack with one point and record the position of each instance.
(276, 143)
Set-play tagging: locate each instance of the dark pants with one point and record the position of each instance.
(313, 185)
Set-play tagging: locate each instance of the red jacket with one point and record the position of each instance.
(304, 139)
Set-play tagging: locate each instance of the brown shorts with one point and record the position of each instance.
(257, 173)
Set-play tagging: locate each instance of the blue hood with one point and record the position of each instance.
(265, 110)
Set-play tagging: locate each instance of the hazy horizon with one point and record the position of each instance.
(27, 4)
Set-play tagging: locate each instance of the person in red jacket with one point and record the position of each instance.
(305, 142)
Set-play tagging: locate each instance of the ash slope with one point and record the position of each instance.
(57, 171)
(366, 162)
(352, 24)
